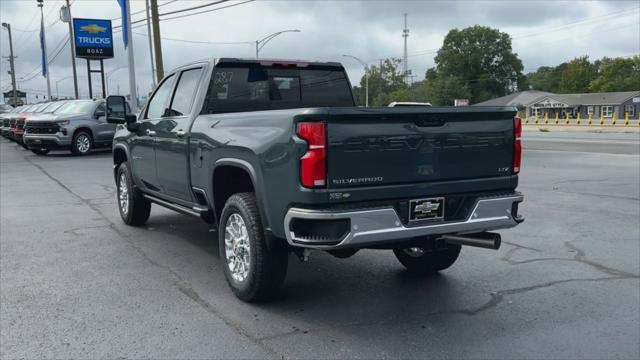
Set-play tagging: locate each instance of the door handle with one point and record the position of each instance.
(151, 132)
(181, 133)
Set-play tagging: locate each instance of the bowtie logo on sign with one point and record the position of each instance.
(93, 38)
(93, 28)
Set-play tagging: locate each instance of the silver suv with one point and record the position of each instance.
(78, 125)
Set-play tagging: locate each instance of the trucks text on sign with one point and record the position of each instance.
(93, 38)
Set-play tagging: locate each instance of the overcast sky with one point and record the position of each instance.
(543, 32)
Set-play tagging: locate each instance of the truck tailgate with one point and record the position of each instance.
(398, 146)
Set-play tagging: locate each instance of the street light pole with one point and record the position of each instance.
(261, 43)
(11, 64)
(366, 78)
(108, 75)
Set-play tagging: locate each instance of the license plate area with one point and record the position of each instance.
(426, 209)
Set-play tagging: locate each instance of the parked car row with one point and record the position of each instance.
(75, 125)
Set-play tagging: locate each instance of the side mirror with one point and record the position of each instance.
(117, 111)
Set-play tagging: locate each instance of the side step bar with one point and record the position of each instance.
(485, 240)
(183, 209)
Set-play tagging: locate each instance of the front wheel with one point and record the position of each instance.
(254, 271)
(427, 261)
(134, 208)
(82, 143)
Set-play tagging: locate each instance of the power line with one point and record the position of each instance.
(193, 8)
(141, 11)
(585, 20)
(119, 27)
(550, 30)
(61, 45)
(202, 42)
(206, 11)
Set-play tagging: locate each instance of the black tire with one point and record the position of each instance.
(82, 143)
(137, 209)
(267, 267)
(40, 151)
(427, 261)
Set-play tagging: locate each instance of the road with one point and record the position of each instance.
(77, 283)
(609, 143)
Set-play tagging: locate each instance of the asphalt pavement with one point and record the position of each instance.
(75, 282)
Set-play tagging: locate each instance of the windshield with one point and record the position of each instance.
(53, 106)
(39, 107)
(76, 107)
(27, 108)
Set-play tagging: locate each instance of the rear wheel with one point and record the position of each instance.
(427, 261)
(40, 151)
(134, 208)
(254, 271)
(82, 143)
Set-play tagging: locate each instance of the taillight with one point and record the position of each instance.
(313, 171)
(517, 144)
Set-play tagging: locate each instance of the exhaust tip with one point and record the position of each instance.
(484, 240)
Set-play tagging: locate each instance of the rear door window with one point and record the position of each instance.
(185, 92)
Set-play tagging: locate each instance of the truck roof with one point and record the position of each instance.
(268, 62)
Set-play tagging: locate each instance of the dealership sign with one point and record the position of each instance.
(93, 38)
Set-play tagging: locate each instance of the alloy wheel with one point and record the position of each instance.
(123, 194)
(237, 247)
(83, 143)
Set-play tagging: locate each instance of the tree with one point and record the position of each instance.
(442, 90)
(577, 75)
(384, 79)
(482, 58)
(619, 74)
(546, 78)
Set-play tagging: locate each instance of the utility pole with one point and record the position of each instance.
(405, 65)
(157, 46)
(45, 57)
(66, 17)
(153, 70)
(11, 64)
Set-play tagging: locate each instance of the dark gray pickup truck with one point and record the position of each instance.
(278, 158)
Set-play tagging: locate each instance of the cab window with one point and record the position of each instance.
(185, 92)
(158, 103)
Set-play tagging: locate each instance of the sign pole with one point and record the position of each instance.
(89, 77)
(132, 69)
(104, 92)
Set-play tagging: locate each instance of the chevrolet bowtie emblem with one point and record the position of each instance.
(93, 28)
(427, 207)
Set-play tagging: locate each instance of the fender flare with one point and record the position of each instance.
(246, 166)
(119, 146)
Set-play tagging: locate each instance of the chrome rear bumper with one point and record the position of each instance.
(383, 225)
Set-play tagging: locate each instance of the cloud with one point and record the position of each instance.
(544, 33)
